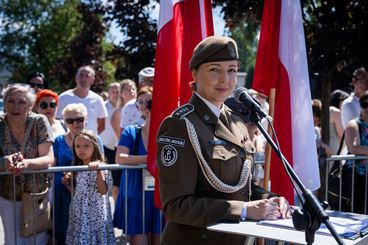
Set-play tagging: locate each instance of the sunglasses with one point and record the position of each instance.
(44, 105)
(72, 120)
(34, 85)
(364, 104)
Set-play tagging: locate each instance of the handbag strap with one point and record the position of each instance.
(336, 165)
(341, 144)
(27, 134)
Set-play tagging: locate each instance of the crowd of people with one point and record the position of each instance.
(348, 135)
(41, 129)
(205, 155)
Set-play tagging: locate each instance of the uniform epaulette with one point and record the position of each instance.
(183, 110)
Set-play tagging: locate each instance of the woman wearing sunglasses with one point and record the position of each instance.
(75, 118)
(46, 102)
(37, 81)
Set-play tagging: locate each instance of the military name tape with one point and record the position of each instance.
(171, 141)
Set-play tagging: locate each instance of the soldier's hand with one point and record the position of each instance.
(262, 209)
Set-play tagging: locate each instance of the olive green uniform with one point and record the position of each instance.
(190, 203)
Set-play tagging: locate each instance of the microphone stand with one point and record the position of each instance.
(312, 214)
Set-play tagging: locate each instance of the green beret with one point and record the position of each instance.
(214, 48)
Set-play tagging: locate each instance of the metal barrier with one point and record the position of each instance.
(53, 170)
(342, 159)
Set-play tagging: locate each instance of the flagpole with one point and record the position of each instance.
(267, 165)
(310, 217)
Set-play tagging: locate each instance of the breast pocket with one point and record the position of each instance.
(225, 162)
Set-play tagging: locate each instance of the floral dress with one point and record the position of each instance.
(90, 220)
(39, 134)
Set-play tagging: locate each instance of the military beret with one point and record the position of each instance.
(214, 48)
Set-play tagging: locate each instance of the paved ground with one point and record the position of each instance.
(118, 233)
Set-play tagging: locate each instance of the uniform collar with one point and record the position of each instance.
(211, 106)
(208, 116)
(203, 110)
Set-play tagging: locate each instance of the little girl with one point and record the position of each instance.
(90, 219)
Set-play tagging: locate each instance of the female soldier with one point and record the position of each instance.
(205, 156)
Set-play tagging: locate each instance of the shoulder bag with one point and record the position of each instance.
(36, 207)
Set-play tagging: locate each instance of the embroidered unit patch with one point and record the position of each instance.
(169, 155)
(171, 141)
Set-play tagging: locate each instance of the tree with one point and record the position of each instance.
(34, 34)
(140, 30)
(336, 37)
(87, 48)
(245, 36)
(336, 42)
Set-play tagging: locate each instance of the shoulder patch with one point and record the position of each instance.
(182, 111)
(169, 155)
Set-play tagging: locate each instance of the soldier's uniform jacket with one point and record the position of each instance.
(190, 202)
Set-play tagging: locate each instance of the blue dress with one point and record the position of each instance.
(62, 197)
(153, 217)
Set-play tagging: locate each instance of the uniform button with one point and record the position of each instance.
(242, 154)
(204, 236)
(206, 117)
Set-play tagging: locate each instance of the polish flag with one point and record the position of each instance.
(181, 26)
(282, 64)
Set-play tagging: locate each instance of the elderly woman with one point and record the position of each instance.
(46, 103)
(205, 156)
(26, 143)
(75, 117)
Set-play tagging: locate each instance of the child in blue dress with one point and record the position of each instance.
(132, 149)
(90, 220)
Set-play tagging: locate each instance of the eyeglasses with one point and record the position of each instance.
(44, 105)
(72, 120)
(364, 104)
(38, 85)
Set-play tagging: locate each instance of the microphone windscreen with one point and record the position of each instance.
(238, 92)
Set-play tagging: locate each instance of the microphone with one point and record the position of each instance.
(242, 96)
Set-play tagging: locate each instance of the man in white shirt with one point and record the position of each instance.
(130, 113)
(84, 79)
(350, 107)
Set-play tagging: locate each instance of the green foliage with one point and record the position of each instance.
(336, 33)
(88, 47)
(246, 37)
(237, 11)
(35, 34)
(140, 32)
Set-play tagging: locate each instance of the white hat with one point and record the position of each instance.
(148, 72)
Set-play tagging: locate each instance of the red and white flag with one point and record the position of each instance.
(181, 26)
(282, 64)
